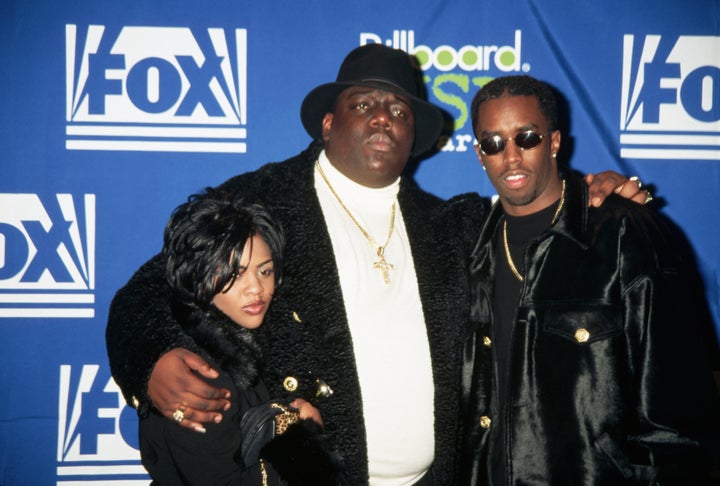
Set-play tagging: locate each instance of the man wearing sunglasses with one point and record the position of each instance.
(584, 363)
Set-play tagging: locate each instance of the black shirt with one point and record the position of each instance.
(521, 230)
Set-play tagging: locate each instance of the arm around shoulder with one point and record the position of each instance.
(141, 329)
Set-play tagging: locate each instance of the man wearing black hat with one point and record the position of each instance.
(368, 317)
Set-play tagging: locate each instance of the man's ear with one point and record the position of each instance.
(476, 146)
(326, 126)
(478, 152)
(555, 142)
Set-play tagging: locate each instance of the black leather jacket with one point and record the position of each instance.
(629, 401)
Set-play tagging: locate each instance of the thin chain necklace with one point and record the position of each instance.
(381, 264)
(513, 268)
(263, 473)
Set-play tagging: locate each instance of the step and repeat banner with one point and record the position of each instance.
(113, 112)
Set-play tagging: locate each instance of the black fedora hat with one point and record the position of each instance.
(382, 67)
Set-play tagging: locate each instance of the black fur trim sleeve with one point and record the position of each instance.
(140, 330)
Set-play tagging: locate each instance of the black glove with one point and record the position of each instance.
(304, 455)
(257, 427)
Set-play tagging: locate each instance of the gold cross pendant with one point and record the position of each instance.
(383, 265)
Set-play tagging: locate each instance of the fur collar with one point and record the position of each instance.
(233, 347)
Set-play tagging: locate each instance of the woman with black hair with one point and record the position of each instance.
(223, 262)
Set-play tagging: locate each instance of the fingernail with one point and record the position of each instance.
(218, 419)
(199, 428)
(227, 406)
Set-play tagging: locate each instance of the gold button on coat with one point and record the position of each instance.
(322, 389)
(582, 335)
(290, 383)
(487, 341)
(485, 422)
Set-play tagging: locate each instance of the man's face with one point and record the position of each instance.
(370, 136)
(526, 180)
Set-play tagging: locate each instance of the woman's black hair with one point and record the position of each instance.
(204, 241)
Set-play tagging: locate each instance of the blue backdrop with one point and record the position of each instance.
(114, 111)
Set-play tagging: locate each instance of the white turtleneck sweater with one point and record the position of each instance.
(387, 327)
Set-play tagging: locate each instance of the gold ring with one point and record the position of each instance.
(636, 180)
(178, 415)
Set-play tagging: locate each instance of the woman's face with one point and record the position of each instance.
(246, 299)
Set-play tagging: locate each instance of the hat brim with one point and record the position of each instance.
(429, 120)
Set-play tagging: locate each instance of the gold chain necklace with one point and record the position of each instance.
(263, 473)
(381, 264)
(513, 268)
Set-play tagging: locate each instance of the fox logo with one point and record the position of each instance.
(670, 97)
(47, 255)
(97, 432)
(156, 89)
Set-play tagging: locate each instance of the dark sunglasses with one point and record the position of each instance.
(526, 140)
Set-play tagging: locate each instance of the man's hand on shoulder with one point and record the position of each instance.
(180, 395)
(601, 185)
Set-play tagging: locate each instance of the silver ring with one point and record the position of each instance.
(178, 415)
(648, 197)
(636, 180)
